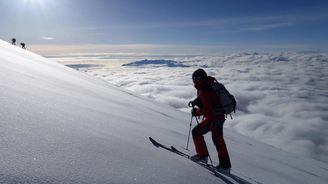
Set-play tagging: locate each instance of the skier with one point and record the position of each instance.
(206, 101)
(23, 45)
(13, 41)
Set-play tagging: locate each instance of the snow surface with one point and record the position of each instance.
(58, 125)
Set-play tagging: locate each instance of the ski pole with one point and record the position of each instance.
(197, 120)
(209, 156)
(189, 131)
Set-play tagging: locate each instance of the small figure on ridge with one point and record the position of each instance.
(13, 41)
(23, 45)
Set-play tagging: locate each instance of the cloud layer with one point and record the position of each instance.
(282, 98)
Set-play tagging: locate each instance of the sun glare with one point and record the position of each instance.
(37, 5)
(34, 2)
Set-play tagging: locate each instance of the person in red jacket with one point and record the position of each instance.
(207, 101)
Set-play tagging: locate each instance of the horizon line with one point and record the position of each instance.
(172, 49)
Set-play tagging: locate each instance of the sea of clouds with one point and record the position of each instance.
(282, 97)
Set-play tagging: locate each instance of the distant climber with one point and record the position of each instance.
(23, 45)
(13, 41)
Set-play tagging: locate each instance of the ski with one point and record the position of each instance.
(176, 151)
(218, 173)
(205, 165)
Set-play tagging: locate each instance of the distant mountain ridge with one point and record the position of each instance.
(168, 63)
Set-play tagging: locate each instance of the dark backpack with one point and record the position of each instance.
(228, 102)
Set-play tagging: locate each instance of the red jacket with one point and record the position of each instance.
(209, 99)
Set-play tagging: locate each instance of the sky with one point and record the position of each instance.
(232, 24)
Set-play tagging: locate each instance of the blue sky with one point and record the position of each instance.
(299, 24)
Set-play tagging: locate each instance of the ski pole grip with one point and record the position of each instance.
(190, 104)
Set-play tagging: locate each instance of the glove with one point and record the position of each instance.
(194, 111)
(190, 104)
(197, 102)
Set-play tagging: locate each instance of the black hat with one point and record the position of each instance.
(198, 74)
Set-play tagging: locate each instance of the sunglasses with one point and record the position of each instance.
(196, 78)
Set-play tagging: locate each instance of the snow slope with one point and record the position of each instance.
(58, 125)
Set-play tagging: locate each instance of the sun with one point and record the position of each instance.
(34, 2)
(41, 8)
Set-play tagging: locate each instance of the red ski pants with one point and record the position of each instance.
(216, 128)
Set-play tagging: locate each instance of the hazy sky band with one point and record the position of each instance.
(209, 22)
(166, 50)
